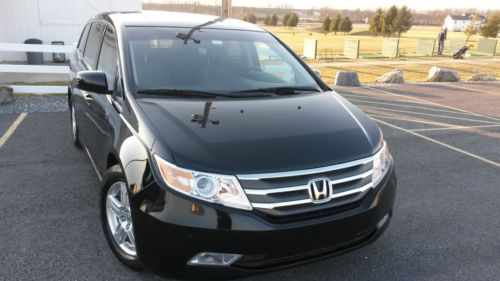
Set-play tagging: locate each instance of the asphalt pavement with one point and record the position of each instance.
(446, 223)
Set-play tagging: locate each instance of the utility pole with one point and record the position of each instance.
(226, 9)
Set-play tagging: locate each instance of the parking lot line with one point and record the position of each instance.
(455, 128)
(472, 89)
(12, 128)
(451, 147)
(369, 96)
(410, 106)
(421, 121)
(429, 102)
(427, 114)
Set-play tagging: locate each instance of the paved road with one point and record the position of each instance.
(445, 226)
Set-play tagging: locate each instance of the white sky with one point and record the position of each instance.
(361, 4)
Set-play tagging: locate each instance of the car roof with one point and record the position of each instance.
(173, 19)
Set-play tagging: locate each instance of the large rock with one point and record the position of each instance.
(482, 77)
(438, 74)
(347, 78)
(6, 95)
(394, 77)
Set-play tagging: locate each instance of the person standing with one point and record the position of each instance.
(441, 39)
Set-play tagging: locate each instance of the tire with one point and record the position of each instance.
(120, 219)
(74, 128)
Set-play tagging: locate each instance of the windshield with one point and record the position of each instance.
(210, 60)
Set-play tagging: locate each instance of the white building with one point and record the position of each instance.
(51, 20)
(461, 22)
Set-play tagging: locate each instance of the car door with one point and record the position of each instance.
(101, 112)
(85, 99)
(77, 64)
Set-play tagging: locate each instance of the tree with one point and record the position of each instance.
(294, 20)
(286, 18)
(250, 18)
(274, 20)
(267, 21)
(389, 20)
(471, 29)
(492, 26)
(403, 21)
(326, 24)
(345, 25)
(335, 24)
(376, 22)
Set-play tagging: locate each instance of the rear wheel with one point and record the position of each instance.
(117, 219)
(74, 129)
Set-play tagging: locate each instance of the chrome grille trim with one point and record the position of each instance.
(305, 172)
(307, 201)
(275, 190)
(303, 187)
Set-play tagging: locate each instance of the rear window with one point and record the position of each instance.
(93, 44)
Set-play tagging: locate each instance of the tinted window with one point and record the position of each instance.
(211, 60)
(83, 38)
(108, 57)
(93, 44)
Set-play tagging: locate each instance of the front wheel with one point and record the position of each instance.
(117, 219)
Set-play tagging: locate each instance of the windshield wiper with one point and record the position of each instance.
(282, 90)
(182, 93)
(198, 93)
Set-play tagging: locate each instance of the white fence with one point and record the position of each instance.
(42, 69)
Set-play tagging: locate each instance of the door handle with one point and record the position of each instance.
(88, 98)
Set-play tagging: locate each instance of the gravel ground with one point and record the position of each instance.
(36, 104)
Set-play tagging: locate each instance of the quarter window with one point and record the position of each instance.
(108, 57)
(93, 44)
(83, 38)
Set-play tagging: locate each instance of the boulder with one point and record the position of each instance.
(394, 77)
(6, 95)
(438, 74)
(482, 77)
(347, 78)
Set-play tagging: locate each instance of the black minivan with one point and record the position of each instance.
(220, 152)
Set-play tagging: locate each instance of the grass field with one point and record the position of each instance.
(372, 45)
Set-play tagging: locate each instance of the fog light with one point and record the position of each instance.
(213, 259)
(383, 221)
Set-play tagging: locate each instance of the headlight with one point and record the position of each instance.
(222, 189)
(381, 162)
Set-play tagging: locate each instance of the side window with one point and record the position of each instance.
(83, 38)
(108, 57)
(93, 44)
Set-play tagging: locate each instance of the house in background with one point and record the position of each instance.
(461, 22)
(51, 20)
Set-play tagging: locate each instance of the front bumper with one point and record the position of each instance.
(171, 228)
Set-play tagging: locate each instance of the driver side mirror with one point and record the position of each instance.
(317, 72)
(91, 81)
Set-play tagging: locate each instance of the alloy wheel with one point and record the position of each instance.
(119, 218)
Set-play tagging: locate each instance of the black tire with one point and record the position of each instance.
(114, 175)
(74, 131)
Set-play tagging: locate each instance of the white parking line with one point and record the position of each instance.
(491, 162)
(366, 96)
(437, 104)
(428, 114)
(455, 128)
(411, 106)
(12, 128)
(472, 89)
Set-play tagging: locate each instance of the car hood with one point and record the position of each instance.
(238, 136)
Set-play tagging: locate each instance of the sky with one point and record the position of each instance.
(363, 4)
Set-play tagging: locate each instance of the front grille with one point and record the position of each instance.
(287, 196)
